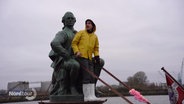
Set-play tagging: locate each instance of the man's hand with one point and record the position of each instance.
(78, 54)
(97, 60)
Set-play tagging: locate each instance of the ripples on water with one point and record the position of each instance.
(162, 99)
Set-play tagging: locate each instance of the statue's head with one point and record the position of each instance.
(68, 19)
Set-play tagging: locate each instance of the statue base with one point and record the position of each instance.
(69, 99)
(74, 102)
(61, 98)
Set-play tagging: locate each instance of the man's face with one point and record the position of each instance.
(89, 25)
(70, 20)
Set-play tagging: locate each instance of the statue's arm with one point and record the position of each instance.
(57, 44)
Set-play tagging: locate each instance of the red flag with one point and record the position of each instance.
(175, 91)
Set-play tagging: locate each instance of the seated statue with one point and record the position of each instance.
(67, 74)
(66, 68)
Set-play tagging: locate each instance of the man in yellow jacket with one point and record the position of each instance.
(85, 44)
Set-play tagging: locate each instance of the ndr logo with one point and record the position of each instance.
(28, 94)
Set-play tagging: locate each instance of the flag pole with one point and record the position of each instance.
(172, 78)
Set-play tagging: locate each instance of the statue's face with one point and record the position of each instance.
(69, 20)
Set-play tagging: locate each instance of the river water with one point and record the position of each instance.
(157, 99)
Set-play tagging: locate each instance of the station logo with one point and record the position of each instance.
(28, 94)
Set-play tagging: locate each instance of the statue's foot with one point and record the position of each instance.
(74, 91)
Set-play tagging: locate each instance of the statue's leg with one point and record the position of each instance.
(74, 73)
(73, 67)
(79, 82)
(62, 81)
(55, 85)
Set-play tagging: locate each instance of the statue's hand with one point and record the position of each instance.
(66, 55)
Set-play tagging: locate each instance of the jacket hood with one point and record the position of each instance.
(93, 24)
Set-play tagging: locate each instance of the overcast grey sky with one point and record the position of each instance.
(134, 35)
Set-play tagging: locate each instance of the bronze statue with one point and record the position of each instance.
(66, 68)
(67, 74)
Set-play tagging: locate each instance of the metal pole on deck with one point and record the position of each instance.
(135, 94)
(116, 78)
(115, 91)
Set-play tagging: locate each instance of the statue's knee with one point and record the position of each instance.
(71, 64)
(76, 65)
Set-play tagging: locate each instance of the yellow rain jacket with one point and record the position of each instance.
(86, 43)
